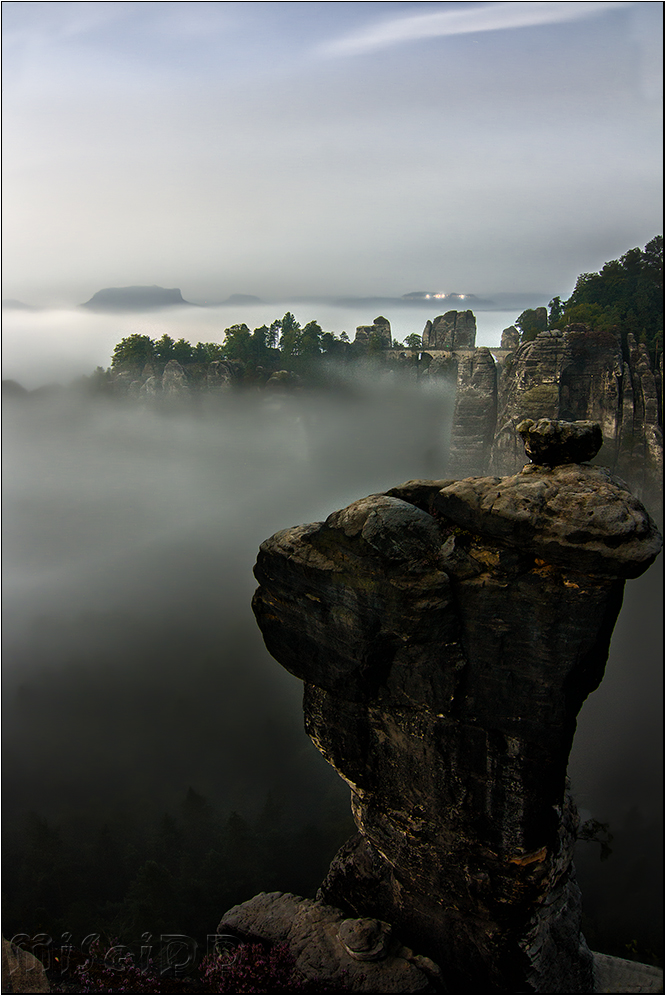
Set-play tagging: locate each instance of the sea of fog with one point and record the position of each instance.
(42, 346)
(132, 665)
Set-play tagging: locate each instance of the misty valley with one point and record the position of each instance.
(156, 768)
(333, 494)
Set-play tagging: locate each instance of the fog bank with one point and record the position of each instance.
(43, 346)
(132, 664)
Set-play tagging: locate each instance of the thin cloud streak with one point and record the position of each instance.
(493, 17)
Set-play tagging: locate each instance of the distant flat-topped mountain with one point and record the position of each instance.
(134, 298)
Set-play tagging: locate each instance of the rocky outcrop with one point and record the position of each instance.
(21, 971)
(474, 414)
(572, 375)
(529, 388)
(329, 947)
(640, 448)
(221, 375)
(454, 330)
(447, 634)
(580, 374)
(283, 380)
(380, 330)
(174, 380)
(510, 338)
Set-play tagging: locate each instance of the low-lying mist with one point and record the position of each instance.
(42, 346)
(132, 663)
(133, 667)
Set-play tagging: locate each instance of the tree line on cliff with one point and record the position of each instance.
(283, 344)
(627, 294)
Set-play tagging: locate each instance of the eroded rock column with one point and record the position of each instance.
(447, 634)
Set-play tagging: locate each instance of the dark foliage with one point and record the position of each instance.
(625, 296)
(178, 876)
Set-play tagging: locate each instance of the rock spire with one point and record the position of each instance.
(447, 633)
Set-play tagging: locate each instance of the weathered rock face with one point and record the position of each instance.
(447, 634)
(474, 415)
(580, 375)
(329, 947)
(640, 455)
(21, 971)
(381, 327)
(454, 330)
(221, 375)
(529, 388)
(510, 338)
(174, 381)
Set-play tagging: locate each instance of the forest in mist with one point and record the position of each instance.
(135, 678)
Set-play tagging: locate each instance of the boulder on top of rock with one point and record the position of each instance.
(552, 442)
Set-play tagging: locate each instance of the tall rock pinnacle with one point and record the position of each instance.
(447, 633)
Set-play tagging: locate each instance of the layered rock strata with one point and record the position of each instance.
(454, 330)
(474, 413)
(447, 633)
(580, 374)
(379, 330)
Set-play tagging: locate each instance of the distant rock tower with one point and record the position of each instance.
(454, 330)
(381, 326)
(510, 338)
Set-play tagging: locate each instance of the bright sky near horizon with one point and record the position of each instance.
(326, 148)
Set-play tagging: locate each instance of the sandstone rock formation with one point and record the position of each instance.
(474, 415)
(221, 375)
(580, 374)
(21, 971)
(454, 330)
(381, 327)
(529, 388)
(572, 375)
(174, 380)
(447, 634)
(330, 947)
(510, 338)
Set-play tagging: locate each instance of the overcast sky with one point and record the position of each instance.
(326, 148)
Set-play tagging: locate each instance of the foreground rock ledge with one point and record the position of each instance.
(447, 634)
(361, 954)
